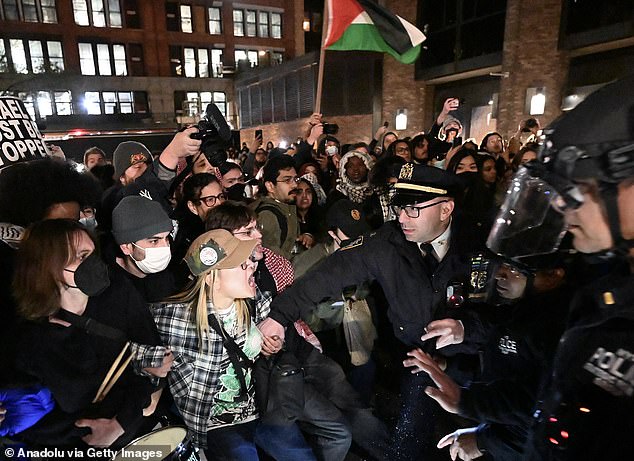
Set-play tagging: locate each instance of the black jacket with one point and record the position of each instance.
(515, 358)
(73, 363)
(587, 410)
(416, 297)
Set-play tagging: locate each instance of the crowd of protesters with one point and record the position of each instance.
(323, 302)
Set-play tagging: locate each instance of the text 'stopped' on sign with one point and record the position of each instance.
(20, 139)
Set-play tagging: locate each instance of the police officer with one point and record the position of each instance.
(584, 182)
(414, 260)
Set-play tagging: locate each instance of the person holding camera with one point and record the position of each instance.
(445, 135)
(137, 173)
(526, 133)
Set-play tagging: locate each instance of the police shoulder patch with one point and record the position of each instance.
(353, 244)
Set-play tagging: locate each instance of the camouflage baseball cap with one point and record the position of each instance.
(217, 249)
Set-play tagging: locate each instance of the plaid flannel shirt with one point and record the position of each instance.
(145, 356)
(194, 377)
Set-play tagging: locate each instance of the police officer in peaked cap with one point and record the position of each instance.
(414, 259)
(583, 183)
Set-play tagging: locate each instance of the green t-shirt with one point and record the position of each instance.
(229, 405)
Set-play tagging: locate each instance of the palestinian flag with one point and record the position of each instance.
(364, 25)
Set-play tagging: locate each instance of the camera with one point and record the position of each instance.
(330, 128)
(215, 135)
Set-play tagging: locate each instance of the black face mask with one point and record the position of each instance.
(91, 276)
(468, 178)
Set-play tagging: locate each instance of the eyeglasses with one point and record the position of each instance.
(292, 179)
(413, 211)
(211, 200)
(250, 232)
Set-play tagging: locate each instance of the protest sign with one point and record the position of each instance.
(20, 139)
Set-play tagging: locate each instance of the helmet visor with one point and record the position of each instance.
(531, 219)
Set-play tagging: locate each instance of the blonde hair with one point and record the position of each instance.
(197, 294)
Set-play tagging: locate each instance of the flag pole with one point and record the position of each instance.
(322, 58)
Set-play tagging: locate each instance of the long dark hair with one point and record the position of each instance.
(46, 249)
(458, 157)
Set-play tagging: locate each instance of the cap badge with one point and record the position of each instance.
(137, 158)
(406, 171)
(210, 253)
(208, 256)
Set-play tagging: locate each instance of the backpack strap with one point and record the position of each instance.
(238, 358)
(281, 219)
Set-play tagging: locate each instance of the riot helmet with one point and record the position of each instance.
(593, 142)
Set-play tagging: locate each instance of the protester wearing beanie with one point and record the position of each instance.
(142, 229)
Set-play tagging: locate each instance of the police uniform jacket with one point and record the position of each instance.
(415, 297)
(515, 358)
(587, 410)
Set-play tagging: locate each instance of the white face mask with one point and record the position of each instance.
(89, 223)
(156, 259)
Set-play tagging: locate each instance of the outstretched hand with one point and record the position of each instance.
(448, 392)
(448, 331)
(462, 444)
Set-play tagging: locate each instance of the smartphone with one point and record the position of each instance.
(457, 141)
(258, 134)
(386, 124)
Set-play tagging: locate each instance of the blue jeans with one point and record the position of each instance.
(284, 443)
(238, 443)
(232, 443)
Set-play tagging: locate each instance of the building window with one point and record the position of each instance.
(216, 63)
(276, 25)
(135, 50)
(97, 13)
(215, 21)
(30, 56)
(263, 24)
(247, 55)
(29, 11)
(186, 18)
(277, 58)
(190, 62)
(203, 63)
(257, 23)
(251, 23)
(41, 104)
(102, 58)
(179, 17)
(55, 56)
(18, 55)
(461, 29)
(4, 58)
(115, 102)
(238, 23)
(192, 103)
(194, 62)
